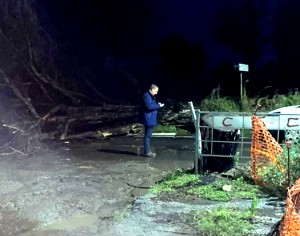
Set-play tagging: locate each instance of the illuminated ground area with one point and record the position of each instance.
(86, 188)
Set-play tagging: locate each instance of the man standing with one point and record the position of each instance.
(150, 107)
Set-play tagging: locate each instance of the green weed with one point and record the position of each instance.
(214, 191)
(165, 129)
(182, 132)
(215, 102)
(277, 180)
(119, 215)
(171, 129)
(174, 181)
(222, 221)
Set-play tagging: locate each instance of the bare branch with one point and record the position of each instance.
(35, 78)
(19, 94)
(18, 151)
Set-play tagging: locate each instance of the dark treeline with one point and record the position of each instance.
(102, 39)
(110, 52)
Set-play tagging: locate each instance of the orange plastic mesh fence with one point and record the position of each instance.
(291, 222)
(264, 148)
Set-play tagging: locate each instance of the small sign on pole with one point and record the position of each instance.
(243, 67)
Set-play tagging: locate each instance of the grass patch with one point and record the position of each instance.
(223, 221)
(124, 213)
(165, 129)
(219, 221)
(275, 180)
(174, 181)
(171, 129)
(289, 99)
(214, 191)
(219, 104)
(214, 102)
(247, 133)
(183, 132)
(240, 189)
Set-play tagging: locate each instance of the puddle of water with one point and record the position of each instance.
(73, 223)
(172, 153)
(173, 159)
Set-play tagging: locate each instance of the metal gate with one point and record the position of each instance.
(223, 139)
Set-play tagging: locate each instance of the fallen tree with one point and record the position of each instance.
(39, 101)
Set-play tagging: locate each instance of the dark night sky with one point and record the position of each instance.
(186, 47)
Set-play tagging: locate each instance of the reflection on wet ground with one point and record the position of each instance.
(172, 153)
(80, 186)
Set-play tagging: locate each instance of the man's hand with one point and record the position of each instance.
(161, 104)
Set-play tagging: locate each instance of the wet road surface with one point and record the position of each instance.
(79, 187)
(172, 153)
(87, 188)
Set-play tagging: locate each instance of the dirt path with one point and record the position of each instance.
(71, 189)
(74, 189)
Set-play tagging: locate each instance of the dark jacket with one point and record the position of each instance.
(149, 109)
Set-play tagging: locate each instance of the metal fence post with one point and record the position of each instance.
(191, 105)
(288, 145)
(198, 142)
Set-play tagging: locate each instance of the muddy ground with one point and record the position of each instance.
(100, 188)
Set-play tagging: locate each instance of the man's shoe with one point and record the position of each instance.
(150, 154)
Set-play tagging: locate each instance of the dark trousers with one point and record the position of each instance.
(147, 138)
